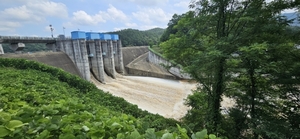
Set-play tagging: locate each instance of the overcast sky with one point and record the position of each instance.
(33, 17)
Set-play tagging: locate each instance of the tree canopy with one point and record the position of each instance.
(244, 50)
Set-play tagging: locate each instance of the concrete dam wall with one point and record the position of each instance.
(140, 61)
(55, 59)
(131, 53)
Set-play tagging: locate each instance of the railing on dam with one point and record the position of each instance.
(25, 39)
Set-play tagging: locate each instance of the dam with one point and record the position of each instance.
(100, 55)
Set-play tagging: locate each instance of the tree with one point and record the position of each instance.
(209, 38)
(170, 29)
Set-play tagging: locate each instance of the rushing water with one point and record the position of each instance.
(162, 96)
(156, 95)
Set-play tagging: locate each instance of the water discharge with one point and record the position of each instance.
(159, 96)
(162, 96)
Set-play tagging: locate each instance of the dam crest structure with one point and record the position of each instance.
(96, 53)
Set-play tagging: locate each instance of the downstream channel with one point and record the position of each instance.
(162, 96)
(159, 96)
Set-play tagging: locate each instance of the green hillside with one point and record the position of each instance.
(134, 37)
(38, 101)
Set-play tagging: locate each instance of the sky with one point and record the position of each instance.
(34, 17)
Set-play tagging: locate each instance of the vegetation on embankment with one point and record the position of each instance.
(38, 101)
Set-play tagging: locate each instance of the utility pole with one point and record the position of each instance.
(64, 31)
(51, 30)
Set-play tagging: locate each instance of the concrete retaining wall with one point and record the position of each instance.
(138, 72)
(158, 60)
(131, 53)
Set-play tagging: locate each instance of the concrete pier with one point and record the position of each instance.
(17, 46)
(1, 50)
(81, 58)
(118, 56)
(51, 46)
(108, 58)
(96, 59)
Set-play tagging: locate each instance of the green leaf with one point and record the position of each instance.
(4, 117)
(14, 124)
(167, 136)
(44, 134)
(116, 125)
(212, 136)
(67, 136)
(135, 135)
(3, 131)
(85, 128)
(183, 132)
(200, 135)
(150, 134)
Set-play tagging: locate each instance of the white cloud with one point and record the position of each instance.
(49, 8)
(112, 13)
(115, 14)
(182, 4)
(19, 14)
(8, 26)
(82, 18)
(152, 15)
(33, 11)
(148, 2)
(131, 25)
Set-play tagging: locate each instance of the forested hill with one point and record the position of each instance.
(134, 37)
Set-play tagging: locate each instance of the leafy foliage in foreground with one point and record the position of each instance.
(50, 103)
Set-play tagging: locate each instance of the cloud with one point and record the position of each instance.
(147, 2)
(82, 18)
(26, 12)
(182, 4)
(131, 25)
(49, 8)
(152, 15)
(112, 14)
(36, 11)
(8, 26)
